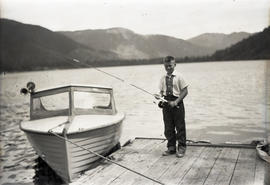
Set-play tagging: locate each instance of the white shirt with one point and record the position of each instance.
(178, 84)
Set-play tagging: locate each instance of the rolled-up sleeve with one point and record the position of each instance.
(182, 82)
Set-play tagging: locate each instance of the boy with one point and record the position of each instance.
(174, 89)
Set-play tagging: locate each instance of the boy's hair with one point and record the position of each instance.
(168, 59)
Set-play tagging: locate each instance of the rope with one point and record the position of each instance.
(101, 156)
(202, 143)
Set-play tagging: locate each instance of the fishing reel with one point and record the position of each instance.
(161, 101)
(162, 104)
(30, 88)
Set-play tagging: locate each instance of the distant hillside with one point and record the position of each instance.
(30, 47)
(254, 47)
(129, 45)
(218, 41)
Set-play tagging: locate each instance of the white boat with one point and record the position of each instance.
(84, 115)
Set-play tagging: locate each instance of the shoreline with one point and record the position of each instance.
(2, 73)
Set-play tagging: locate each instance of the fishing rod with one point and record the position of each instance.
(120, 79)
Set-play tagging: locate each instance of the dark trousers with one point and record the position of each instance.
(174, 124)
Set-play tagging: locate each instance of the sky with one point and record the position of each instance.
(178, 18)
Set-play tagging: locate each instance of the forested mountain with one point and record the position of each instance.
(31, 47)
(129, 45)
(254, 47)
(218, 41)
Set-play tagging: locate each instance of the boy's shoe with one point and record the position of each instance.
(168, 152)
(180, 152)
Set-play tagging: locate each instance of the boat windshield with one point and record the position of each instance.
(56, 101)
(50, 105)
(92, 102)
(72, 101)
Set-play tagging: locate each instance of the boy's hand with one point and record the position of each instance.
(161, 104)
(157, 96)
(172, 103)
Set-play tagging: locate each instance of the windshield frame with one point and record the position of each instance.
(71, 110)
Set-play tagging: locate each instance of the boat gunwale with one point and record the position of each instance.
(77, 132)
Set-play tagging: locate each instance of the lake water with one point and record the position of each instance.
(226, 103)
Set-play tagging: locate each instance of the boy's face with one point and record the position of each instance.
(169, 67)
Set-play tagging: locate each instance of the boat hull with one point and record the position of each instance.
(69, 160)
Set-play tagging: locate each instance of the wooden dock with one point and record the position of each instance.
(201, 165)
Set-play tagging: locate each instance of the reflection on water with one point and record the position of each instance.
(226, 102)
(44, 174)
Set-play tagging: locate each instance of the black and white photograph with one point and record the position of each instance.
(134, 92)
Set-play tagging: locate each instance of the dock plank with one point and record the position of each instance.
(107, 166)
(201, 165)
(201, 168)
(244, 172)
(223, 169)
(174, 173)
(127, 157)
(156, 170)
(141, 165)
(260, 171)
